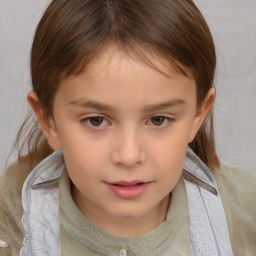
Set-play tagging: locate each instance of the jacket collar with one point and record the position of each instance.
(195, 171)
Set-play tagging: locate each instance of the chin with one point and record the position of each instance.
(130, 212)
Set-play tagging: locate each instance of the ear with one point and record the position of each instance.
(201, 113)
(46, 121)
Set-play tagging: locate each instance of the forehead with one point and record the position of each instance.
(112, 57)
(118, 77)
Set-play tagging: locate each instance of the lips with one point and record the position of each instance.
(128, 189)
(127, 183)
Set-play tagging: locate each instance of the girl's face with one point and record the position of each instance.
(124, 129)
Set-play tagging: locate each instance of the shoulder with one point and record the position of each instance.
(11, 211)
(236, 173)
(236, 182)
(11, 182)
(237, 188)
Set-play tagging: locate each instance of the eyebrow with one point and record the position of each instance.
(168, 104)
(91, 104)
(147, 108)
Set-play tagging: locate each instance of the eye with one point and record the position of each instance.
(159, 120)
(96, 121)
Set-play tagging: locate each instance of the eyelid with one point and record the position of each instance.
(86, 119)
(168, 118)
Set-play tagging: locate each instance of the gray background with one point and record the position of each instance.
(233, 25)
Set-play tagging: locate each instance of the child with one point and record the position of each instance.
(120, 164)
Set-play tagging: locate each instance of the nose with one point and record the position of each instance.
(128, 149)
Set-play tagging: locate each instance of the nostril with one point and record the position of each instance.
(128, 158)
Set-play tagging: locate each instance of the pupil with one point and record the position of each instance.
(158, 120)
(96, 121)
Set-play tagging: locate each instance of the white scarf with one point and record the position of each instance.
(208, 228)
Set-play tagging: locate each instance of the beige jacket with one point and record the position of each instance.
(237, 188)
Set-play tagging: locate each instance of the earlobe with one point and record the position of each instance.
(201, 113)
(46, 121)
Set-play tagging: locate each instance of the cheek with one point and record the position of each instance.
(83, 169)
(174, 144)
(83, 158)
(80, 147)
(171, 160)
(169, 155)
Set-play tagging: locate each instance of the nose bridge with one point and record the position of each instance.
(128, 150)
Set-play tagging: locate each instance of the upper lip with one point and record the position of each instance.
(127, 183)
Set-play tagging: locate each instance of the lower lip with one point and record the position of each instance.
(128, 192)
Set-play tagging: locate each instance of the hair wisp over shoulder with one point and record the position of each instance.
(72, 33)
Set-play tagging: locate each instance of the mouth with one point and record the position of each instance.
(128, 189)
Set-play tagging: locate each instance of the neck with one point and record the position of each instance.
(124, 226)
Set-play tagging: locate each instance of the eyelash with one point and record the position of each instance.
(166, 121)
(88, 120)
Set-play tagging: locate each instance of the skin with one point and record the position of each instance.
(128, 142)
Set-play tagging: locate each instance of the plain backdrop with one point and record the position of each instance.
(233, 25)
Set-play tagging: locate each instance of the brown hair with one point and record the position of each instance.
(72, 33)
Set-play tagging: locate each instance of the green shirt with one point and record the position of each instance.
(79, 236)
(171, 237)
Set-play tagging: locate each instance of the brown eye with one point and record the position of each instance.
(96, 121)
(158, 120)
